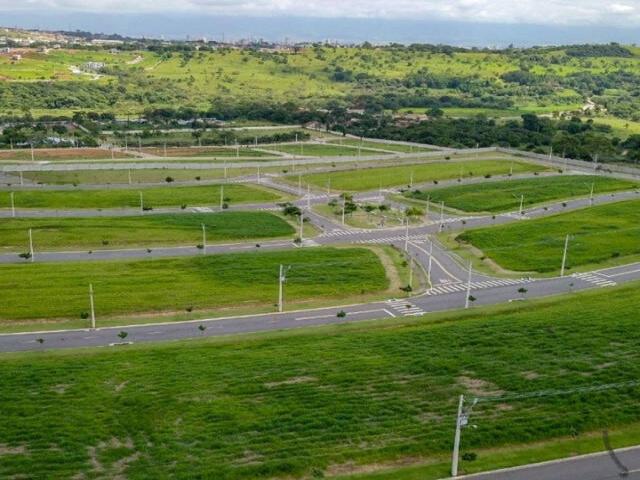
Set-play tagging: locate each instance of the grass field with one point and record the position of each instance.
(204, 283)
(506, 195)
(53, 154)
(379, 145)
(600, 236)
(205, 152)
(152, 197)
(330, 401)
(373, 178)
(149, 231)
(320, 150)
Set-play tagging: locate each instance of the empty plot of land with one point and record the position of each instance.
(151, 197)
(598, 236)
(373, 178)
(507, 194)
(197, 284)
(148, 231)
(205, 152)
(341, 400)
(53, 154)
(321, 150)
(393, 147)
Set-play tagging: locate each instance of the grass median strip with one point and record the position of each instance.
(373, 178)
(130, 197)
(599, 235)
(197, 284)
(144, 231)
(329, 401)
(505, 195)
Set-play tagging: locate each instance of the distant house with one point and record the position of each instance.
(94, 66)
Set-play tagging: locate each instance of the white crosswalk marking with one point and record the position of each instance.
(405, 308)
(595, 279)
(269, 209)
(398, 238)
(202, 210)
(444, 289)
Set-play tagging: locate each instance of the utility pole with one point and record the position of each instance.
(33, 156)
(521, 205)
(593, 186)
(411, 273)
(466, 301)
(31, 252)
(595, 163)
(93, 310)
(13, 205)
(204, 239)
(456, 439)
(221, 197)
(462, 421)
(344, 201)
(282, 278)
(441, 216)
(301, 226)
(564, 256)
(406, 237)
(430, 260)
(141, 202)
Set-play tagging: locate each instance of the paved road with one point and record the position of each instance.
(450, 288)
(599, 466)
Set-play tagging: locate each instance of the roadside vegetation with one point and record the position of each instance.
(228, 283)
(374, 178)
(103, 233)
(505, 195)
(599, 236)
(130, 197)
(332, 401)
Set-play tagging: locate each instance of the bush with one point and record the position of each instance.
(84, 315)
(341, 314)
(168, 179)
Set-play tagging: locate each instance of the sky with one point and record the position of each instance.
(479, 23)
(541, 12)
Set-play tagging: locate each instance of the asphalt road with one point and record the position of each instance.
(599, 466)
(450, 279)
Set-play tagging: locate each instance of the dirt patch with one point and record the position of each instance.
(291, 381)
(530, 375)
(389, 267)
(120, 386)
(115, 470)
(479, 387)
(60, 389)
(351, 468)
(7, 450)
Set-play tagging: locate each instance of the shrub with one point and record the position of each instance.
(84, 315)
(341, 314)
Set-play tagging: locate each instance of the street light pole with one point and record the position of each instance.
(521, 205)
(93, 311)
(441, 216)
(31, 252)
(221, 197)
(301, 226)
(204, 239)
(564, 256)
(281, 279)
(141, 202)
(430, 261)
(466, 302)
(13, 205)
(593, 186)
(344, 201)
(406, 237)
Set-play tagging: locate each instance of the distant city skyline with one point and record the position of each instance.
(623, 13)
(300, 29)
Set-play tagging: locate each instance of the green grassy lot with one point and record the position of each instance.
(148, 231)
(328, 401)
(373, 178)
(153, 197)
(57, 154)
(601, 235)
(377, 145)
(153, 287)
(321, 150)
(506, 195)
(188, 152)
